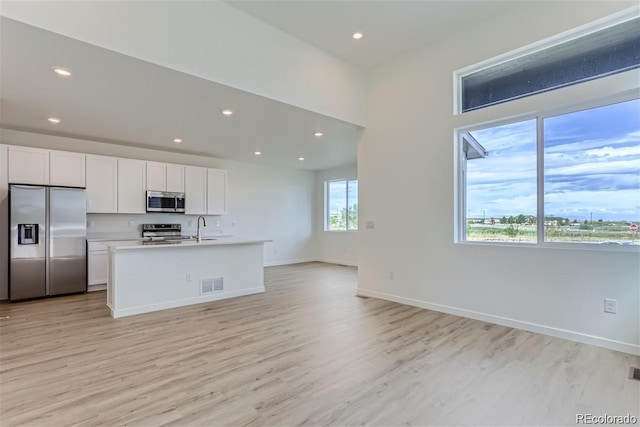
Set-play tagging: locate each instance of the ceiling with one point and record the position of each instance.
(390, 27)
(119, 99)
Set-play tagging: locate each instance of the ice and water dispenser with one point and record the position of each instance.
(27, 234)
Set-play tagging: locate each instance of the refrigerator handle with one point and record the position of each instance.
(47, 239)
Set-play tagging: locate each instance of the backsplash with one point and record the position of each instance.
(130, 225)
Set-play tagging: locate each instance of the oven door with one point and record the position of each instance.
(158, 201)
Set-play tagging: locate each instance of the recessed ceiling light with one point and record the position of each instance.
(318, 134)
(357, 35)
(301, 158)
(257, 153)
(54, 120)
(227, 112)
(177, 140)
(62, 71)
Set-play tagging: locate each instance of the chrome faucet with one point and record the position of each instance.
(204, 223)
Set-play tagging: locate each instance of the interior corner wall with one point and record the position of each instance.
(264, 202)
(336, 247)
(406, 186)
(211, 40)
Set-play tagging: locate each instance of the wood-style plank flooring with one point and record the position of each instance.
(306, 352)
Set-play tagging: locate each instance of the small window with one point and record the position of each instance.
(601, 53)
(341, 212)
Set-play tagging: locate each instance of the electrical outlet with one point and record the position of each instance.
(189, 278)
(234, 223)
(217, 223)
(131, 223)
(392, 275)
(610, 305)
(190, 224)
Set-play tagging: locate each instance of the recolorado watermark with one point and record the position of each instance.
(606, 419)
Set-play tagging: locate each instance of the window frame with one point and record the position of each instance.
(620, 87)
(326, 204)
(539, 116)
(543, 44)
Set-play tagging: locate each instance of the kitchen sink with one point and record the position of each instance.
(194, 238)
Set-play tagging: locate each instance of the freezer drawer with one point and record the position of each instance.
(27, 278)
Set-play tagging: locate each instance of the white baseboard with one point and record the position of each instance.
(513, 323)
(288, 262)
(339, 262)
(183, 302)
(300, 261)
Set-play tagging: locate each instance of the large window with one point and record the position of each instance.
(341, 212)
(572, 177)
(558, 162)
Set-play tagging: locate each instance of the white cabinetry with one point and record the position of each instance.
(131, 186)
(205, 191)
(216, 191)
(97, 266)
(28, 165)
(165, 177)
(156, 176)
(46, 167)
(102, 184)
(175, 178)
(195, 191)
(67, 169)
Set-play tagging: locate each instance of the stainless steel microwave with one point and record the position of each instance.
(161, 201)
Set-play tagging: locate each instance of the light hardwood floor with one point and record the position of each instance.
(307, 352)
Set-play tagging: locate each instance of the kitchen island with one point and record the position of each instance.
(149, 276)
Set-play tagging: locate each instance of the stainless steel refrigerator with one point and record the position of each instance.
(47, 251)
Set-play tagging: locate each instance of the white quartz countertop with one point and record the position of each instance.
(208, 241)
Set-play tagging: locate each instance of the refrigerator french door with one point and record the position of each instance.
(48, 241)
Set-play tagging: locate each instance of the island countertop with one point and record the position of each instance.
(147, 277)
(117, 245)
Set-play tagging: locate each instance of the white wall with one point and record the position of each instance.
(211, 40)
(265, 202)
(337, 247)
(406, 177)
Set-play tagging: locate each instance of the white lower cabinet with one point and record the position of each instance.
(97, 266)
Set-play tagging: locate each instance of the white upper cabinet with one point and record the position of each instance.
(46, 167)
(156, 176)
(132, 184)
(67, 169)
(28, 165)
(216, 191)
(102, 184)
(175, 178)
(205, 191)
(195, 191)
(165, 177)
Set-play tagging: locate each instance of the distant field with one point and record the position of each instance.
(527, 233)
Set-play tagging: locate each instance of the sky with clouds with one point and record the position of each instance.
(591, 162)
(338, 195)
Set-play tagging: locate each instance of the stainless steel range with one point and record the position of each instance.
(159, 234)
